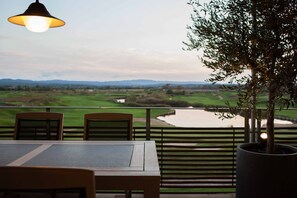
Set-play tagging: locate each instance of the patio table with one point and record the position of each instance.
(118, 165)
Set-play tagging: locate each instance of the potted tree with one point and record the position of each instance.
(260, 36)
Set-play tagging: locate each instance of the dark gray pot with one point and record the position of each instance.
(261, 175)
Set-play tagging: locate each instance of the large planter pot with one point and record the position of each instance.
(261, 175)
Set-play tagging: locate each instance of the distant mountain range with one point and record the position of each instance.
(121, 83)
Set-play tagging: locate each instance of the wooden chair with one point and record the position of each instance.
(38, 126)
(43, 182)
(108, 126)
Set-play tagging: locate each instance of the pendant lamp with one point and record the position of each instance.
(36, 18)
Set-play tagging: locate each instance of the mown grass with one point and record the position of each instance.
(74, 117)
(217, 98)
(96, 99)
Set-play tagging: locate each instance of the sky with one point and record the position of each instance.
(102, 40)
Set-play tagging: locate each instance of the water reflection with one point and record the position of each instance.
(201, 118)
(121, 100)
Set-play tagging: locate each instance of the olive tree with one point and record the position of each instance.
(255, 35)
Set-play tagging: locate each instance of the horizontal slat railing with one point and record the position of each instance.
(192, 160)
(286, 135)
(197, 159)
(6, 132)
(73, 133)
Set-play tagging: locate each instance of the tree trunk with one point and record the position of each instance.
(270, 120)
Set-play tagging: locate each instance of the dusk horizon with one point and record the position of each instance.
(107, 40)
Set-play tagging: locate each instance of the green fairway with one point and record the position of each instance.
(83, 101)
(199, 99)
(97, 101)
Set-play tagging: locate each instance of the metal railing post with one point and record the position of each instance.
(148, 124)
(246, 126)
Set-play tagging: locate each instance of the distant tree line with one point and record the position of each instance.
(171, 89)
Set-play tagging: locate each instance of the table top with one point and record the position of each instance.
(104, 157)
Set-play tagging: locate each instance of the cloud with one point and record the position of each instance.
(108, 40)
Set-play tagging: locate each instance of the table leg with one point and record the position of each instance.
(152, 191)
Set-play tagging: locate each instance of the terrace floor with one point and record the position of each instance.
(227, 195)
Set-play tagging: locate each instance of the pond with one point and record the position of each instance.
(201, 118)
(191, 117)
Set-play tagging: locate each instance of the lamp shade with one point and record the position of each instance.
(36, 18)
